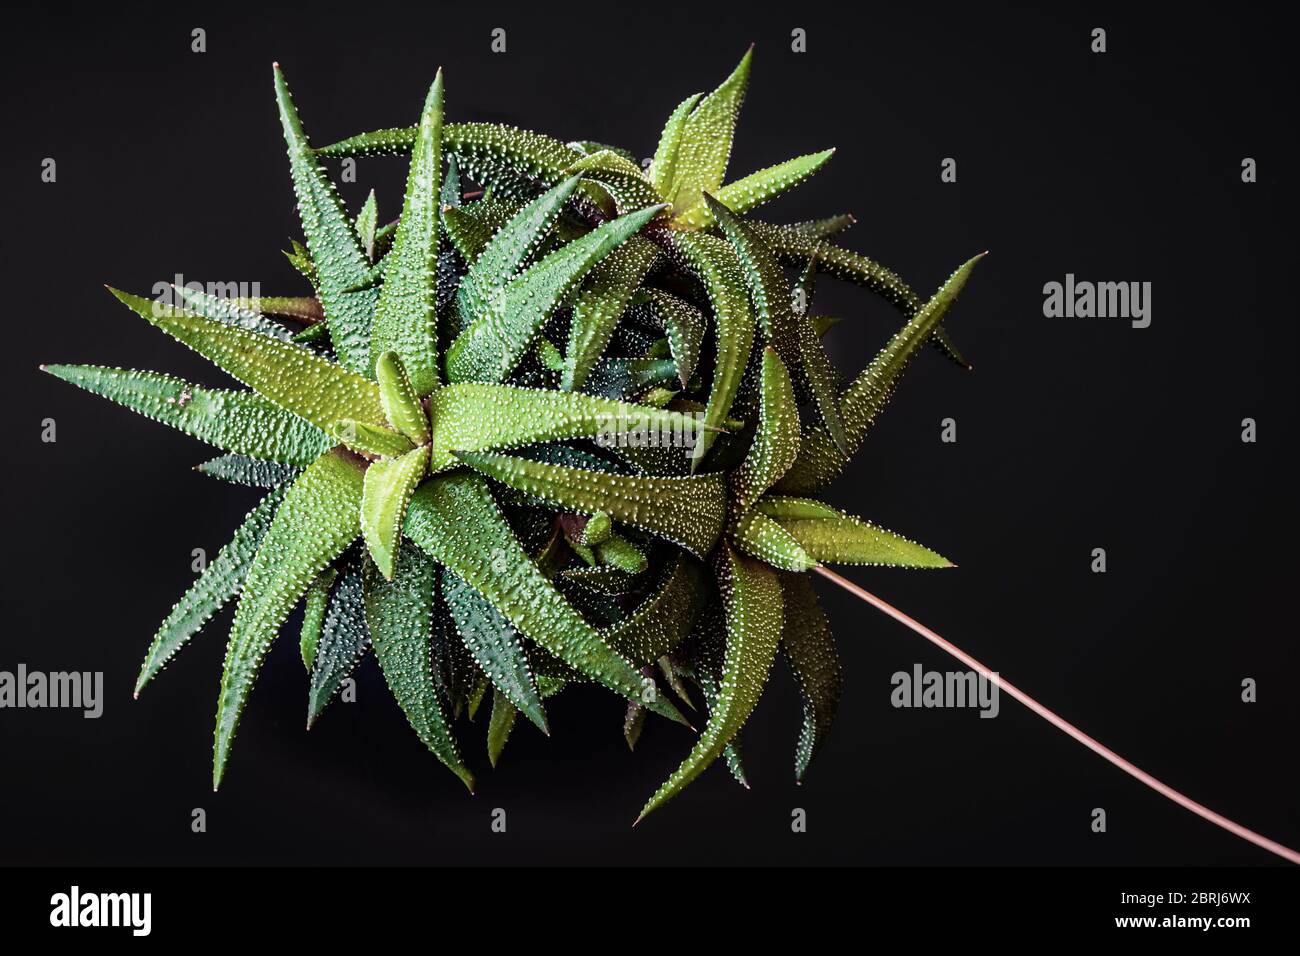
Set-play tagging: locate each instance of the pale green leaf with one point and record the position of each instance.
(689, 511)
(386, 493)
(240, 422)
(295, 378)
(404, 317)
(317, 520)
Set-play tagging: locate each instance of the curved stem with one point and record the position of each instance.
(1064, 725)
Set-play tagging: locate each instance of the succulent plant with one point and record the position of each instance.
(569, 428)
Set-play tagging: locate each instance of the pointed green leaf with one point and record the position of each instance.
(451, 189)
(344, 640)
(399, 615)
(514, 244)
(496, 646)
(604, 297)
(296, 379)
(706, 140)
(794, 246)
(776, 440)
(239, 422)
(633, 721)
(819, 459)
(367, 224)
(809, 649)
(832, 536)
(401, 403)
(685, 326)
(759, 536)
(663, 170)
(219, 582)
(386, 493)
(301, 308)
(253, 472)
(478, 416)
(768, 288)
(688, 511)
(661, 622)
(621, 178)
(822, 228)
(455, 520)
(500, 724)
(371, 439)
(341, 262)
(756, 188)
(316, 521)
(495, 342)
(315, 604)
(717, 266)
(751, 594)
(620, 553)
(822, 381)
(230, 312)
(404, 317)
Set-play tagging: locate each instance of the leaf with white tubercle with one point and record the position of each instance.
(760, 536)
(663, 620)
(820, 460)
(318, 518)
(831, 536)
(776, 439)
(456, 521)
(220, 581)
(600, 304)
(795, 246)
(715, 262)
(512, 161)
(684, 325)
(689, 511)
(756, 188)
(663, 168)
(405, 322)
(240, 422)
(496, 646)
(400, 400)
(514, 244)
(705, 146)
(294, 378)
(492, 345)
(341, 264)
(622, 179)
(253, 472)
(344, 640)
(387, 491)
(367, 224)
(399, 616)
(751, 595)
(314, 605)
(768, 288)
(231, 312)
(371, 440)
(808, 648)
(482, 416)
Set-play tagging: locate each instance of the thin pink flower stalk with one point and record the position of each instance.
(1064, 725)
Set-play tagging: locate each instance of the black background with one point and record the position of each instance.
(1073, 433)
